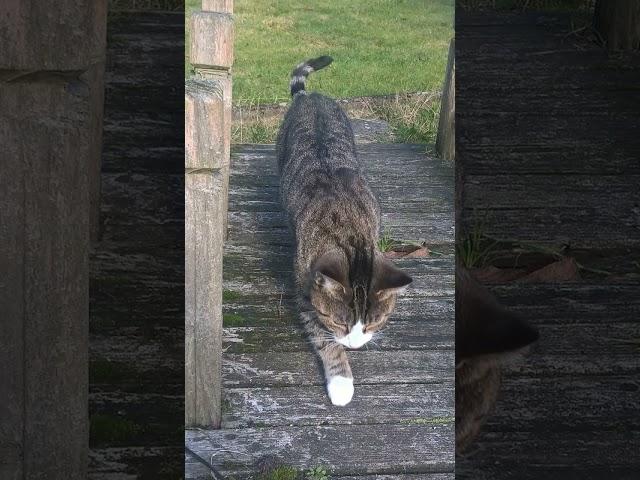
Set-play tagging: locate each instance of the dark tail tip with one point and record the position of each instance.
(320, 62)
(302, 71)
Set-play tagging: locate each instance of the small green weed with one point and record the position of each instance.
(317, 473)
(283, 472)
(476, 250)
(386, 243)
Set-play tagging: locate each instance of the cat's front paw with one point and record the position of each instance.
(340, 390)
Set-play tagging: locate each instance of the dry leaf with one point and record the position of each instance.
(564, 270)
(493, 274)
(408, 251)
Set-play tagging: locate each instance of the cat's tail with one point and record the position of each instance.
(302, 71)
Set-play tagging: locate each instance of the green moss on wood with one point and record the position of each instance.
(109, 428)
(232, 320)
(230, 296)
(428, 421)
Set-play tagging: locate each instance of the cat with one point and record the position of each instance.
(346, 289)
(487, 336)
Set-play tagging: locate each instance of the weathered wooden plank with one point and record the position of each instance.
(398, 335)
(42, 38)
(567, 191)
(378, 160)
(541, 403)
(413, 404)
(48, 144)
(433, 282)
(558, 455)
(369, 367)
(445, 142)
(211, 40)
(537, 158)
(254, 310)
(205, 125)
(569, 226)
(130, 463)
(203, 297)
(139, 411)
(425, 448)
(12, 247)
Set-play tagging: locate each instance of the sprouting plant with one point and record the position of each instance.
(386, 243)
(475, 249)
(317, 473)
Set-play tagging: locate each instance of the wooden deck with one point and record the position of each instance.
(136, 373)
(546, 127)
(400, 422)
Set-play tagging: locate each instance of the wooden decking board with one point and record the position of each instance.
(536, 124)
(343, 450)
(373, 404)
(368, 366)
(271, 377)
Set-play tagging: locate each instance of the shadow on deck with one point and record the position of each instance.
(544, 160)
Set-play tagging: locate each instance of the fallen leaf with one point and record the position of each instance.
(493, 274)
(564, 270)
(408, 251)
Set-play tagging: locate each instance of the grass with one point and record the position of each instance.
(281, 473)
(476, 249)
(379, 47)
(412, 118)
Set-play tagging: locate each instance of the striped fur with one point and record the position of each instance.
(302, 71)
(342, 279)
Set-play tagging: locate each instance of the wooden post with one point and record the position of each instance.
(49, 80)
(211, 54)
(446, 139)
(619, 23)
(207, 147)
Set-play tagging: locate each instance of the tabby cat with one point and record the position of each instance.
(487, 336)
(346, 289)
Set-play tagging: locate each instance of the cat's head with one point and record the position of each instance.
(486, 331)
(353, 310)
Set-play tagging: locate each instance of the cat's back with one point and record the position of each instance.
(315, 134)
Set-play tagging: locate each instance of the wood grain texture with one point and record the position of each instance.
(446, 139)
(222, 6)
(271, 379)
(203, 302)
(407, 404)
(49, 147)
(425, 449)
(41, 38)
(211, 40)
(205, 125)
(137, 269)
(545, 160)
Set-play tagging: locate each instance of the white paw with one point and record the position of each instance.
(340, 390)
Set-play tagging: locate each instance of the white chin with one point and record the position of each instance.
(354, 342)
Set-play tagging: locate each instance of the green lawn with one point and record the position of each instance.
(379, 46)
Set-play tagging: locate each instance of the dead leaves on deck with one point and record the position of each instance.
(408, 251)
(563, 270)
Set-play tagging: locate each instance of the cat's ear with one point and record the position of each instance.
(484, 326)
(330, 273)
(389, 279)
